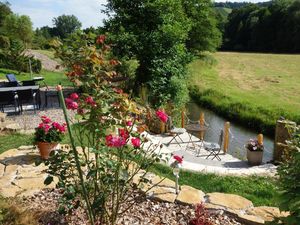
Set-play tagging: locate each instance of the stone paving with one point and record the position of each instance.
(228, 165)
(20, 177)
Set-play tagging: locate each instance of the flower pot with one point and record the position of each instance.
(254, 157)
(45, 148)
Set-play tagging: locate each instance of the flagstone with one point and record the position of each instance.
(230, 201)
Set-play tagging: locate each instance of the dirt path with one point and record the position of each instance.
(47, 63)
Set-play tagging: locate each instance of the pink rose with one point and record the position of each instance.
(90, 101)
(178, 158)
(136, 142)
(129, 123)
(162, 116)
(123, 133)
(74, 96)
(72, 105)
(114, 141)
(45, 119)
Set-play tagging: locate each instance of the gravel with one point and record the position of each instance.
(144, 212)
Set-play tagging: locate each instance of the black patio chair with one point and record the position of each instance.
(9, 98)
(214, 150)
(29, 97)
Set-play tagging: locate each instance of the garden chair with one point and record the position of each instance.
(175, 132)
(9, 98)
(29, 97)
(13, 80)
(215, 149)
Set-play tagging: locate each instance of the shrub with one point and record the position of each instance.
(289, 181)
(201, 216)
(114, 159)
(13, 57)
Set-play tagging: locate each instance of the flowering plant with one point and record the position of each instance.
(253, 145)
(162, 116)
(177, 161)
(49, 131)
(114, 157)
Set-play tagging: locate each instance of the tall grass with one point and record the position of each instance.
(254, 90)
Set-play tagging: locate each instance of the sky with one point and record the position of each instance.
(88, 12)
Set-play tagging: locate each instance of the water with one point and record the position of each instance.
(239, 135)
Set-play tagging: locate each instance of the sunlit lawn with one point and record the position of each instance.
(51, 78)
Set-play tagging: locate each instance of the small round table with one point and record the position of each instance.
(196, 128)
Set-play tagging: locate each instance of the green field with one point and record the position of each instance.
(51, 78)
(251, 88)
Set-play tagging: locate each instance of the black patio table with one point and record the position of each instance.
(21, 90)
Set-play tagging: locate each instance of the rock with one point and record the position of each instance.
(11, 126)
(8, 153)
(26, 147)
(10, 191)
(2, 116)
(2, 167)
(231, 201)
(33, 183)
(267, 213)
(250, 219)
(190, 196)
(11, 170)
(163, 194)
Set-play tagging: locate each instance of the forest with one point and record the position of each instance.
(263, 27)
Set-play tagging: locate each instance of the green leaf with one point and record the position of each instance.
(48, 180)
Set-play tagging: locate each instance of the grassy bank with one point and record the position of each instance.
(252, 89)
(51, 78)
(260, 190)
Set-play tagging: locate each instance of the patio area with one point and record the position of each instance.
(228, 165)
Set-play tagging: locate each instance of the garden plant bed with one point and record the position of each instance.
(145, 211)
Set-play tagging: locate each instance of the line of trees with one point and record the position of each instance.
(271, 28)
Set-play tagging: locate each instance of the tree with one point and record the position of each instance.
(155, 33)
(18, 27)
(204, 34)
(4, 11)
(66, 25)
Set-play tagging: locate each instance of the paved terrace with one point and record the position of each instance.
(228, 165)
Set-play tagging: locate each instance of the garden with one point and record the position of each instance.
(99, 165)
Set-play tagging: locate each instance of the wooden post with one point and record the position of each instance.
(282, 134)
(226, 137)
(260, 139)
(202, 124)
(182, 118)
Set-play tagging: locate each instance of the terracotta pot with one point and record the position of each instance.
(254, 157)
(45, 148)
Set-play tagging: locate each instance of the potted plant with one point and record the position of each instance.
(254, 152)
(47, 136)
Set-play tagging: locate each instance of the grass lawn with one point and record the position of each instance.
(260, 190)
(51, 78)
(251, 88)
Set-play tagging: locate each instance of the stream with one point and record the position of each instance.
(239, 135)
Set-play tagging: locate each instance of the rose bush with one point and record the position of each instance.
(114, 159)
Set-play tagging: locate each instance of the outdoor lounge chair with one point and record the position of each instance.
(14, 82)
(215, 149)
